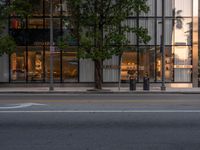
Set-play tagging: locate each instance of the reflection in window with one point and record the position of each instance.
(151, 4)
(182, 64)
(70, 66)
(35, 23)
(56, 65)
(37, 7)
(18, 67)
(56, 29)
(35, 64)
(57, 7)
(183, 32)
(17, 23)
(185, 6)
(149, 24)
(131, 36)
(56, 23)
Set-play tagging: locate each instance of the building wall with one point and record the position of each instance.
(86, 71)
(30, 62)
(195, 43)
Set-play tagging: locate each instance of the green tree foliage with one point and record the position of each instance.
(100, 29)
(18, 8)
(7, 45)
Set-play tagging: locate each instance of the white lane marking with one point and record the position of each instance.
(105, 111)
(24, 105)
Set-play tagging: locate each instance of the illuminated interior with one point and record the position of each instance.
(30, 62)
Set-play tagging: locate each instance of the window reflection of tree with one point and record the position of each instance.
(177, 18)
(37, 7)
(56, 7)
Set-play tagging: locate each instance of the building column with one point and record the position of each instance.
(195, 48)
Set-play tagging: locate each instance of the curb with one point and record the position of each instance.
(98, 92)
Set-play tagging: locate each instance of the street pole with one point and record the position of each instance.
(119, 73)
(163, 88)
(51, 87)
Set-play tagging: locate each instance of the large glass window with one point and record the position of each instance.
(35, 64)
(37, 7)
(57, 7)
(184, 6)
(149, 24)
(147, 62)
(17, 30)
(169, 28)
(151, 4)
(56, 65)
(32, 61)
(70, 66)
(168, 64)
(174, 6)
(129, 62)
(56, 29)
(18, 64)
(17, 23)
(131, 36)
(169, 7)
(182, 64)
(36, 33)
(35, 23)
(183, 31)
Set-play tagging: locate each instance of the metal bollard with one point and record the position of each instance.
(145, 83)
(132, 84)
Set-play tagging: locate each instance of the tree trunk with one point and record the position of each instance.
(98, 74)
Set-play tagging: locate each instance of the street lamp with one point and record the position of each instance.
(163, 88)
(52, 49)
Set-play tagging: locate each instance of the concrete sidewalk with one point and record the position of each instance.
(89, 90)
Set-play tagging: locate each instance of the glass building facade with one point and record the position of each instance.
(30, 63)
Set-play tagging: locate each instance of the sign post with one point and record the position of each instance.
(163, 88)
(52, 49)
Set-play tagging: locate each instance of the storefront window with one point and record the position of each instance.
(185, 6)
(36, 33)
(151, 4)
(57, 8)
(183, 31)
(56, 29)
(37, 7)
(56, 65)
(182, 64)
(34, 23)
(149, 24)
(17, 23)
(147, 62)
(18, 65)
(168, 64)
(129, 62)
(32, 61)
(35, 64)
(70, 66)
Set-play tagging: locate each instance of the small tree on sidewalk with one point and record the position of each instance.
(100, 29)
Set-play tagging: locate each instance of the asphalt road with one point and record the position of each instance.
(100, 122)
